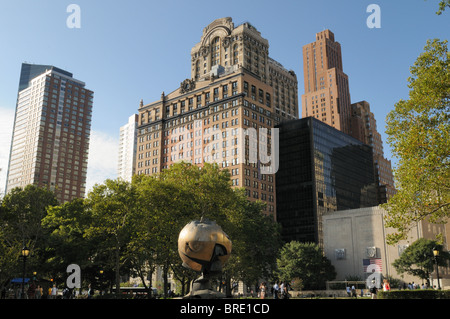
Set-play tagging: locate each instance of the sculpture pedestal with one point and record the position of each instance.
(201, 289)
(205, 294)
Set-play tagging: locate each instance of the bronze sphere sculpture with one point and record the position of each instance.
(203, 247)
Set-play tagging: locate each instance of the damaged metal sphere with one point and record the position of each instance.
(203, 246)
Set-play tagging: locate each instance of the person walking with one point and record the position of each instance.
(281, 288)
(386, 286)
(90, 292)
(31, 290)
(349, 293)
(353, 291)
(284, 291)
(262, 290)
(373, 291)
(38, 292)
(275, 290)
(66, 293)
(54, 291)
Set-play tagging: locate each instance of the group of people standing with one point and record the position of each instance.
(374, 289)
(413, 286)
(351, 292)
(277, 291)
(31, 291)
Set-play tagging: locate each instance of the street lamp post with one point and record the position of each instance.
(101, 281)
(24, 254)
(436, 254)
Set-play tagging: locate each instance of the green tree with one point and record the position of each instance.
(8, 261)
(443, 4)
(163, 208)
(187, 192)
(255, 236)
(134, 227)
(418, 260)
(22, 210)
(66, 243)
(418, 131)
(256, 240)
(306, 263)
(112, 206)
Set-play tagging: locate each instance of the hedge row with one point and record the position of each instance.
(414, 294)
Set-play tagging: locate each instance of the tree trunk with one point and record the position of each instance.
(165, 271)
(117, 272)
(228, 286)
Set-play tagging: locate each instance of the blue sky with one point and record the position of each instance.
(130, 50)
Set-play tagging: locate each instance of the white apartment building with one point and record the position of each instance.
(127, 148)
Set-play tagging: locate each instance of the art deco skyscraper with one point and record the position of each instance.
(364, 128)
(51, 133)
(242, 46)
(327, 98)
(224, 113)
(327, 94)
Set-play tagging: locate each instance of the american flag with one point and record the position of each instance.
(373, 261)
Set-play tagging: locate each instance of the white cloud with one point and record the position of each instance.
(103, 158)
(6, 126)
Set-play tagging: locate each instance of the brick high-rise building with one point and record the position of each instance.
(327, 94)
(51, 133)
(224, 113)
(364, 128)
(327, 98)
(224, 48)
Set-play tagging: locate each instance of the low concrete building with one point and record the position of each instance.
(355, 243)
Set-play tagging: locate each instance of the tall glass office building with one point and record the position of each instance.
(51, 133)
(321, 169)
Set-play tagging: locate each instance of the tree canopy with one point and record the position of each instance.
(129, 228)
(443, 4)
(21, 212)
(418, 131)
(418, 260)
(306, 263)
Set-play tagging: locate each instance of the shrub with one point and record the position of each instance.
(414, 294)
